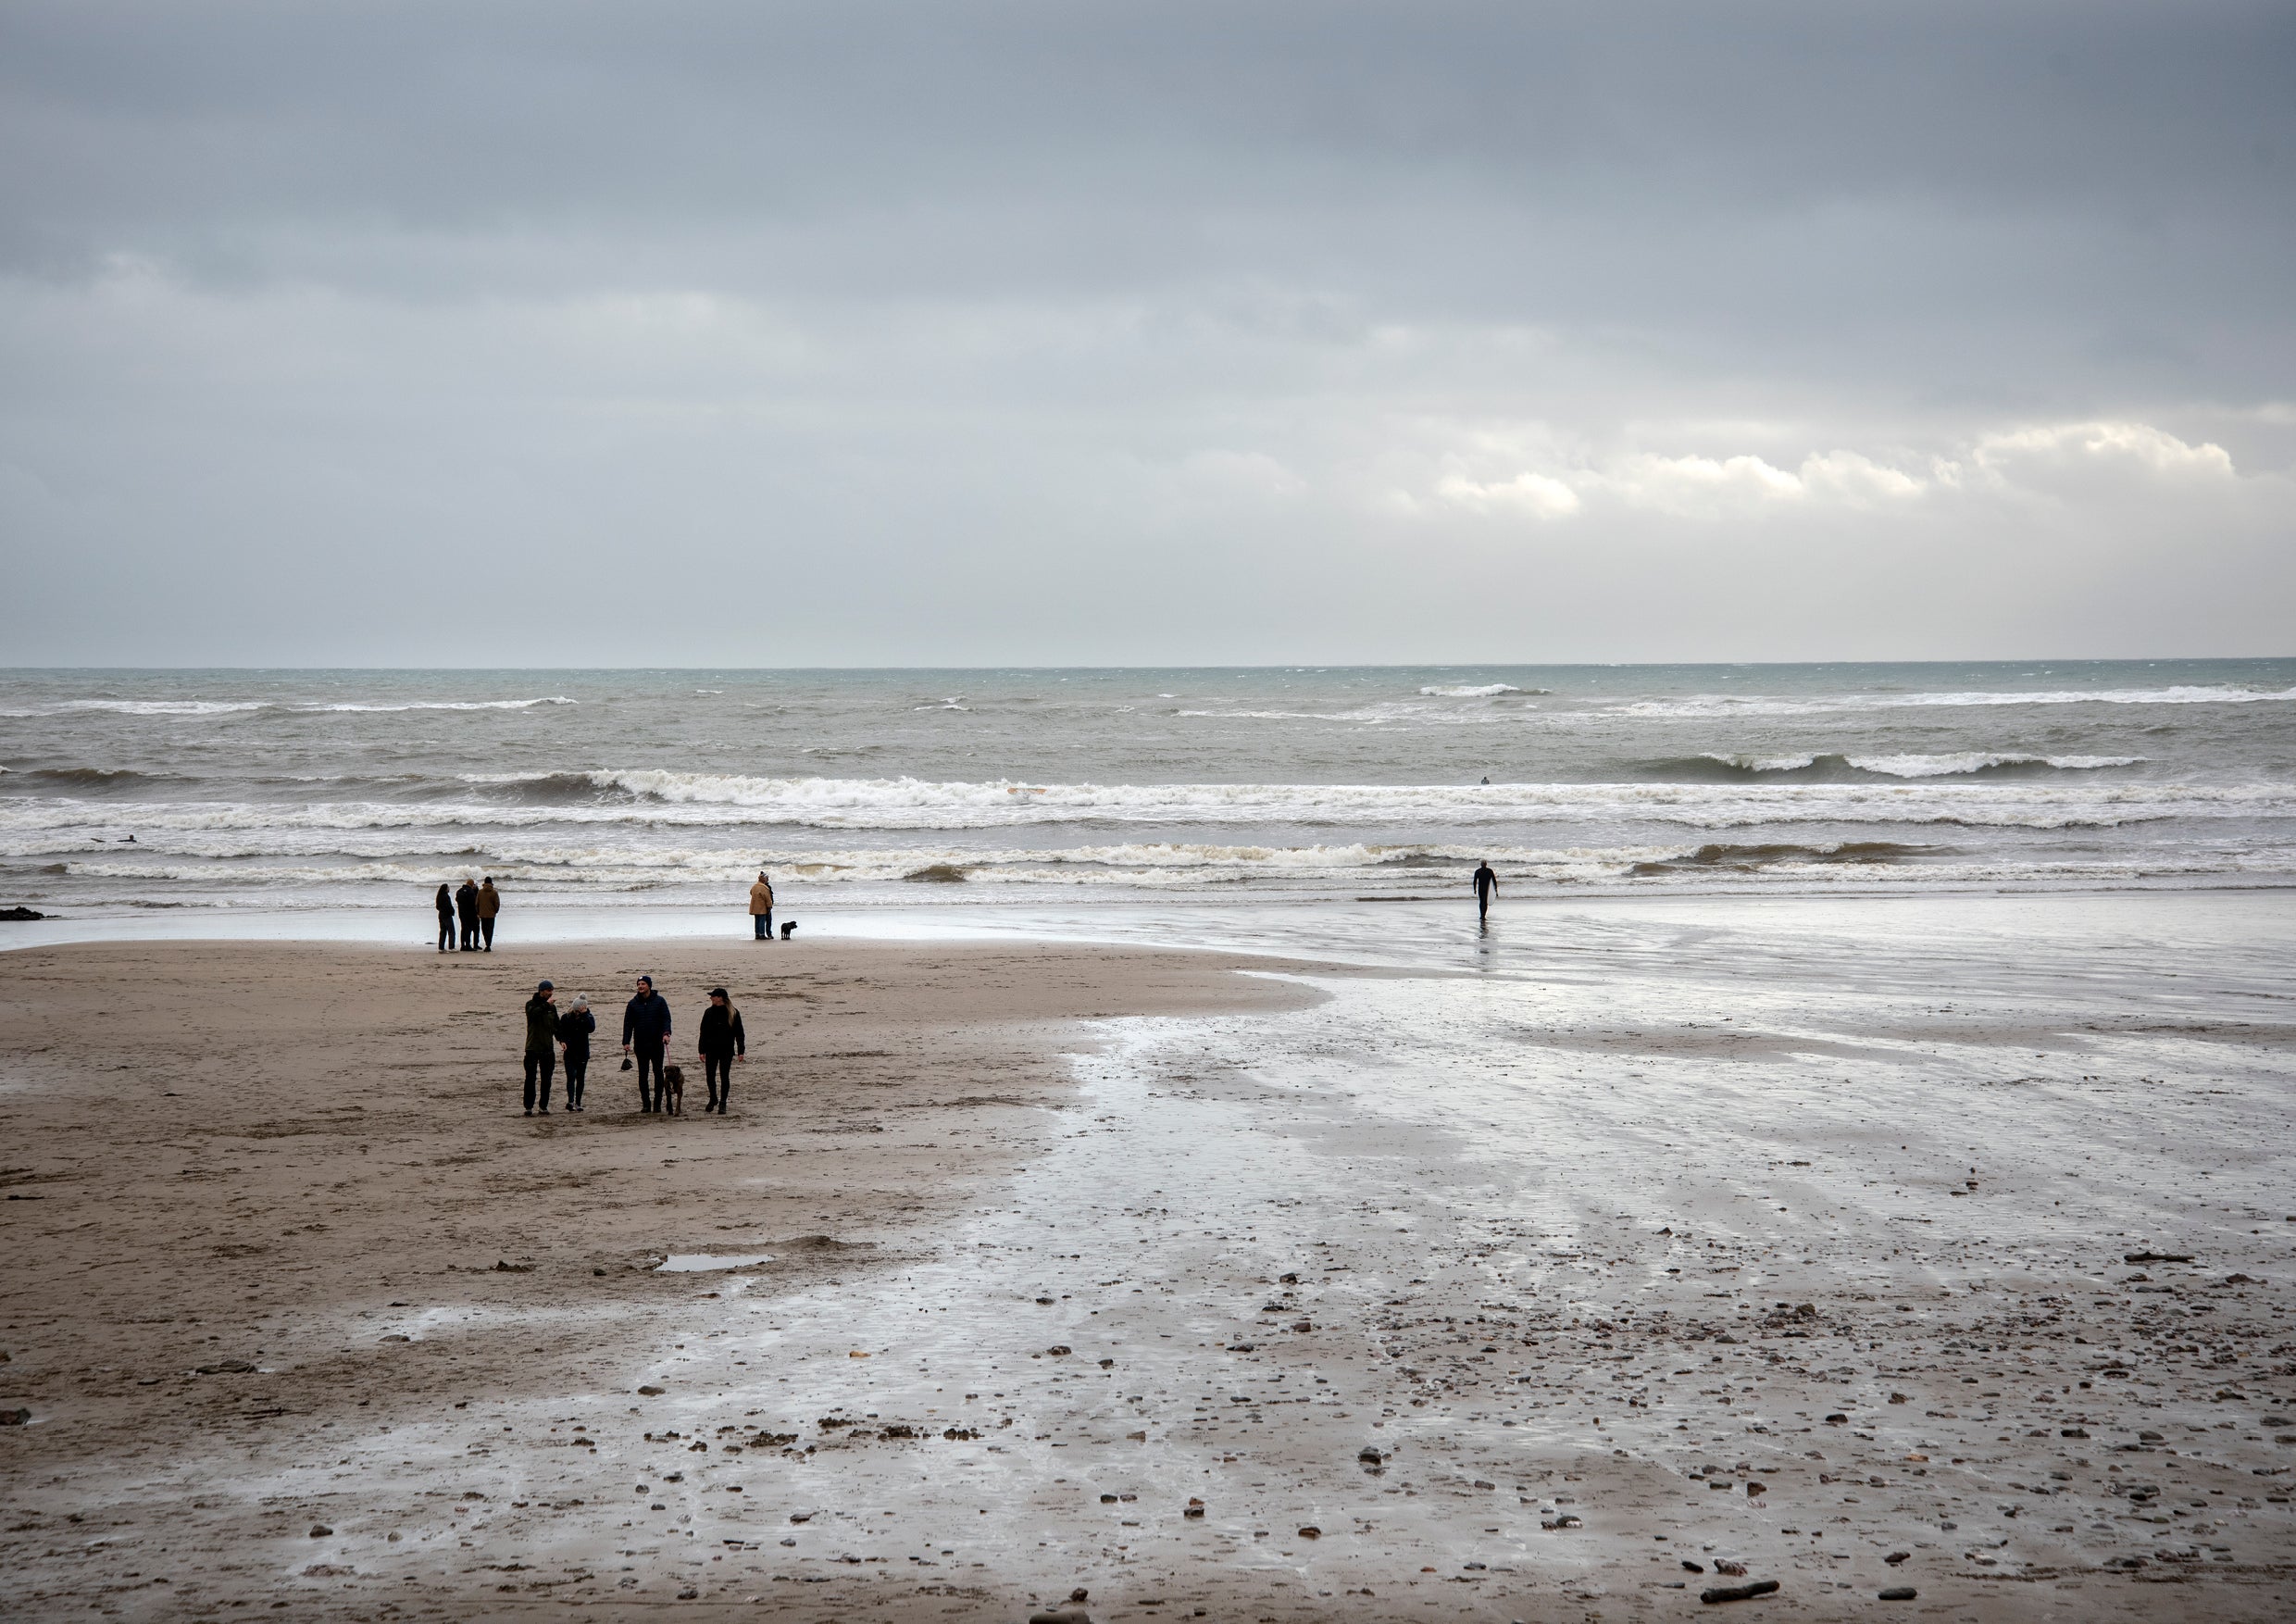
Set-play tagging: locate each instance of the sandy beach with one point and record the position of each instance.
(1937, 1245)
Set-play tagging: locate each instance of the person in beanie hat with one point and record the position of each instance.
(541, 1055)
(761, 906)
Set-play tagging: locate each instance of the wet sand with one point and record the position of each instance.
(1060, 1239)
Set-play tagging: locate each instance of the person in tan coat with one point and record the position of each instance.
(761, 906)
(489, 903)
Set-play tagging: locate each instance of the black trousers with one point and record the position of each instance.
(541, 1066)
(577, 1073)
(718, 1071)
(486, 928)
(469, 932)
(649, 1057)
(446, 931)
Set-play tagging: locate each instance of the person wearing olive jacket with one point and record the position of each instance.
(722, 1042)
(489, 904)
(541, 1055)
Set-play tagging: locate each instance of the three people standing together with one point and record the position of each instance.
(472, 907)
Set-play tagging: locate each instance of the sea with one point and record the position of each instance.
(291, 791)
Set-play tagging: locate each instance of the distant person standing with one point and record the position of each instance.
(574, 1028)
(1486, 887)
(646, 1029)
(489, 903)
(761, 906)
(466, 913)
(722, 1042)
(542, 1037)
(447, 918)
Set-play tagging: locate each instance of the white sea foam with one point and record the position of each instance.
(446, 705)
(1463, 691)
(1975, 761)
(651, 803)
(1752, 705)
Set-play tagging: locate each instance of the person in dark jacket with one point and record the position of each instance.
(646, 1029)
(722, 1042)
(574, 1028)
(447, 918)
(541, 1036)
(467, 912)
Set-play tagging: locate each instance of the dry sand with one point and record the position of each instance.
(306, 1314)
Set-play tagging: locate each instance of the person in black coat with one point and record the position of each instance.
(467, 910)
(446, 919)
(646, 1032)
(574, 1028)
(722, 1042)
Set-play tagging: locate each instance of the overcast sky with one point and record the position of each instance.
(714, 331)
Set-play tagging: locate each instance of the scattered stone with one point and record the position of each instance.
(24, 914)
(227, 1368)
(1899, 1398)
(2239, 1279)
(1369, 1454)
(650, 1392)
(2157, 1257)
(1080, 1594)
(1902, 1592)
(1894, 1557)
(1690, 1566)
(15, 1418)
(319, 1530)
(1837, 1420)
(2072, 1432)
(1061, 1616)
(1734, 1569)
(502, 1267)
(1310, 1532)
(1739, 1592)
(396, 1336)
(1195, 1509)
(1057, 1348)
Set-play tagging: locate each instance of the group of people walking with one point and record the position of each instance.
(552, 1034)
(467, 916)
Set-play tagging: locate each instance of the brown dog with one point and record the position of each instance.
(673, 1091)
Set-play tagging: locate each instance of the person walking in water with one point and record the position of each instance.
(467, 914)
(447, 918)
(722, 1042)
(761, 906)
(574, 1028)
(489, 903)
(1486, 887)
(646, 1029)
(541, 1036)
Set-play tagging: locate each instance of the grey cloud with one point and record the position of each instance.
(963, 322)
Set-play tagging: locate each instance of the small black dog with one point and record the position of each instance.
(789, 929)
(673, 1091)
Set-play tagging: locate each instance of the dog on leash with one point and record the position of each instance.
(673, 1091)
(789, 929)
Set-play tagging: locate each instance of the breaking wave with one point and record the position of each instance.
(1717, 767)
(1729, 704)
